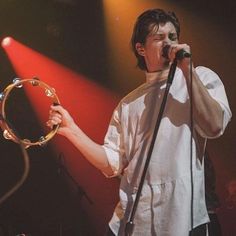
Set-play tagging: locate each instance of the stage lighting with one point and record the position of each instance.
(6, 41)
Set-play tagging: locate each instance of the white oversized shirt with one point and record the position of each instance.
(164, 208)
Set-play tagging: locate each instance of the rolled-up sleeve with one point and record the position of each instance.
(113, 144)
(216, 89)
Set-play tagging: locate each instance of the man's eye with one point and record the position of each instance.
(173, 37)
(158, 37)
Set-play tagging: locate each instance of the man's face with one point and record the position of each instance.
(155, 41)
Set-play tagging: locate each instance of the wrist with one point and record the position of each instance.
(186, 69)
(69, 131)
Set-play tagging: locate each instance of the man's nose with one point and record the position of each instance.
(166, 40)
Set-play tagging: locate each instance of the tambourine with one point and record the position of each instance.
(8, 130)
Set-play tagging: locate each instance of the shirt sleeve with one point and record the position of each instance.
(216, 89)
(113, 144)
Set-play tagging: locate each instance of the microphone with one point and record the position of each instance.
(179, 55)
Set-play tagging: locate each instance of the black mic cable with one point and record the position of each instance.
(23, 177)
(191, 139)
(181, 54)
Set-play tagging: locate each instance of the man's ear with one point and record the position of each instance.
(140, 49)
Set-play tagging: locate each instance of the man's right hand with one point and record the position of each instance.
(60, 116)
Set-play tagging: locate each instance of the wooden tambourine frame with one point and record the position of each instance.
(8, 132)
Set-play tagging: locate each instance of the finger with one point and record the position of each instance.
(58, 108)
(54, 121)
(185, 47)
(55, 114)
(175, 49)
(49, 124)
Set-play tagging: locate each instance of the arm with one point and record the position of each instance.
(207, 112)
(92, 151)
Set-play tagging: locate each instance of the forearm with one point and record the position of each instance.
(92, 151)
(207, 113)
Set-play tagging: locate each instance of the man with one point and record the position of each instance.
(165, 203)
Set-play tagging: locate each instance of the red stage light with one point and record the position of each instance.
(90, 104)
(6, 42)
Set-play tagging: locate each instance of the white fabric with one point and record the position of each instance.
(164, 207)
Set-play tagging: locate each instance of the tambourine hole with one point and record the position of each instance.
(56, 104)
(48, 93)
(2, 95)
(42, 141)
(17, 82)
(35, 83)
(7, 135)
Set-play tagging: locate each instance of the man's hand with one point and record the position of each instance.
(60, 116)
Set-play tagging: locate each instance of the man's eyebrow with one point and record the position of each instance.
(162, 32)
(157, 33)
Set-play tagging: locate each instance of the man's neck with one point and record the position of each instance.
(158, 75)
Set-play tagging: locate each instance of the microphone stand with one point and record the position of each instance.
(130, 224)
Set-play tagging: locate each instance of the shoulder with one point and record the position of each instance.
(129, 99)
(134, 95)
(208, 77)
(203, 71)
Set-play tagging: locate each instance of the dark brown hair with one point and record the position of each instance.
(142, 29)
